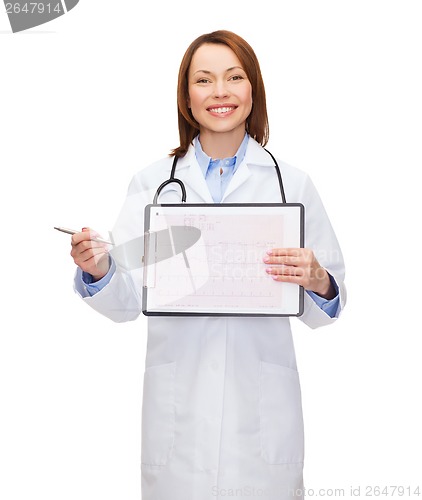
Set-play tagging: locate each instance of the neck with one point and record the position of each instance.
(221, 144)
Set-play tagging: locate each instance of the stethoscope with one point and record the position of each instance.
(172, 179)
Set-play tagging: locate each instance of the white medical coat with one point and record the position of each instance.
(222, 413)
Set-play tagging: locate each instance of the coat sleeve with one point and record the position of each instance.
(121, 299)
(320, 237)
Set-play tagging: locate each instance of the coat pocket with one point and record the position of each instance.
(158, 414)
(281, 419)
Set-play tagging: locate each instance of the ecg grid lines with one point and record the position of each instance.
(226, 268)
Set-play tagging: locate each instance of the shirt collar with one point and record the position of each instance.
(204, 160)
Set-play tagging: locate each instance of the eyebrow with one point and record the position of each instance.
(207, 72)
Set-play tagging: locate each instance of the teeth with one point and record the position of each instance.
(221, 110)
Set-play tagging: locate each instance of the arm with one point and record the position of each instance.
(118, 273)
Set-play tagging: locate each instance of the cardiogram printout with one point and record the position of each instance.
(208, 259)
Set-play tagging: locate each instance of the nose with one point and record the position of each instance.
(220, 89)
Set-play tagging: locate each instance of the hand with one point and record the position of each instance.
(299, 265)
(90, 256)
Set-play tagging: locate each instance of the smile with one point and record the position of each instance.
(222, 110)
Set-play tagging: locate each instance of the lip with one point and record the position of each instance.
(221, 106)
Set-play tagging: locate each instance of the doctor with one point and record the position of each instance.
(222, 413)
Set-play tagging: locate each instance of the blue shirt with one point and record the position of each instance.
(218, 174)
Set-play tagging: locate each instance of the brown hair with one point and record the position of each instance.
(257, 121)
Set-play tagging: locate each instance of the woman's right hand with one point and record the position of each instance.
(91, 256)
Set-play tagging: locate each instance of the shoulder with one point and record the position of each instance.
(258, 155)
(292, 174)
(151, 174)
(156, 168)
(295, 180)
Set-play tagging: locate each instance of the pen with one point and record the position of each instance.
(72, 231)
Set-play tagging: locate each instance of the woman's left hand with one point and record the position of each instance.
(300, 266)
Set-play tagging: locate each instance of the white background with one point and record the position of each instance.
(89, 99)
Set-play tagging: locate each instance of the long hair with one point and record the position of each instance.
(257, 121)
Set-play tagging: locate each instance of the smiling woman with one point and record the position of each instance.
(220, 98)
(215, 66)
(221, 400)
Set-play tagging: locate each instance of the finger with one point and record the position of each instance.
(287, 278)
(97, 265)
(86, 234)
(285, 271)
(86, 246)
(84, 251)
(94, 262)
(290, 260)
(92, 252)
(292, 252)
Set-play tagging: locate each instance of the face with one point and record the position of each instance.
(220, 94)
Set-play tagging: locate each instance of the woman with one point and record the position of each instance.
(221, 404)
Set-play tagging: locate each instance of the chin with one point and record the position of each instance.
(225, 128)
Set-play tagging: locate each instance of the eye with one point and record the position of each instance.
(203, 80)
(236, 78)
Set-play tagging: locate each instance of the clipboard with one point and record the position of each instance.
(207, 259)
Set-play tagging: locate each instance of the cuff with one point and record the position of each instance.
(331, 306)
(93, 287)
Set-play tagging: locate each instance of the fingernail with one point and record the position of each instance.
(266, 259)
(269, 252)
(269, 270)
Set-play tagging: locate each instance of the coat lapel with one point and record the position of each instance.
(241, 175)
(189, 171)
(255, 155)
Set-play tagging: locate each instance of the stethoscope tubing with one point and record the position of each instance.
(172, 179)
